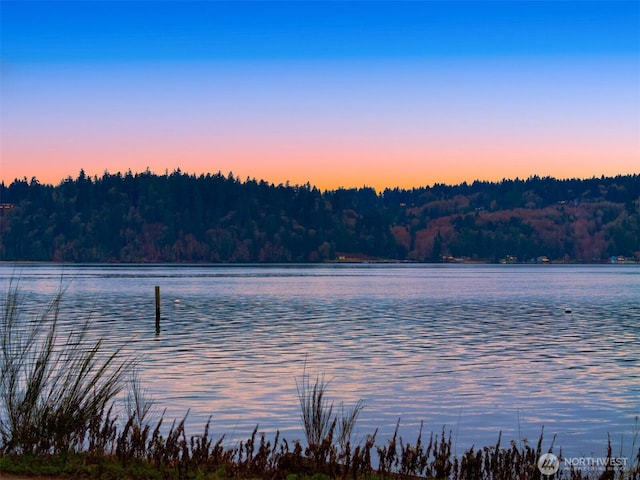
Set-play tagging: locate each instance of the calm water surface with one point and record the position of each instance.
(477, 349)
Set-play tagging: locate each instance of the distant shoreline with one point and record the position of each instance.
(344, 261)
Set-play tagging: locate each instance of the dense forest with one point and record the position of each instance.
(176, 217)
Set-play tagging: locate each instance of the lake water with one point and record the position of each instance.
(477, 349)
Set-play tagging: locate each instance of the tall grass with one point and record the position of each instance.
(329, 435)
(318, 420)
(55, 390)
(316, 411)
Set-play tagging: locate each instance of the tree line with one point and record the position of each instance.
(179, 217)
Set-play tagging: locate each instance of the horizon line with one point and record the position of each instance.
(309, 184)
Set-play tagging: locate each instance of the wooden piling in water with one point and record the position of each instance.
(157, 309)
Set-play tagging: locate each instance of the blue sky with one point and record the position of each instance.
(331, 93)
(90, 31)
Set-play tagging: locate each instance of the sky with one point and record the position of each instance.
(336, 94)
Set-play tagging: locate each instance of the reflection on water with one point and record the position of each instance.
(478, 349)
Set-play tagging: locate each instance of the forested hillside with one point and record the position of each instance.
(177, 217)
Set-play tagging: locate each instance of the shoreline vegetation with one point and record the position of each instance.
(212, 218)
(71, 408)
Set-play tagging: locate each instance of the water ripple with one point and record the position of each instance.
(479, 349)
